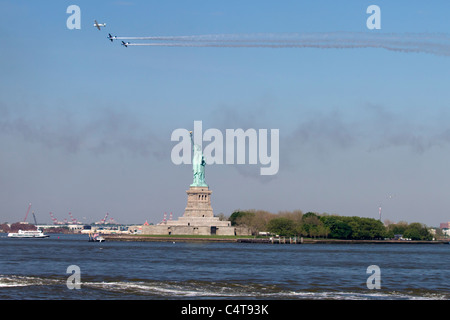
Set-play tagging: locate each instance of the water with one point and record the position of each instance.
(37, 269)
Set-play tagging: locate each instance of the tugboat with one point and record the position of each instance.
(28, 234)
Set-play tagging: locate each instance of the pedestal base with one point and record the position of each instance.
(199, 203)
(198, 218)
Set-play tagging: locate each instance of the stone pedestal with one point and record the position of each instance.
(198, 203)
(199, 215)
(198, 218)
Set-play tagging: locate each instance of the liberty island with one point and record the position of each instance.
(198, 217)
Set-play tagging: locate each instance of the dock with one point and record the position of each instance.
(268, 240)
(273, 240)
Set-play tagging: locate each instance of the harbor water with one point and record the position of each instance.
(70, 267)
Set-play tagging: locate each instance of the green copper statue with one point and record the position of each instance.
(198, 166)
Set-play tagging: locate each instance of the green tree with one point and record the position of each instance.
(236, 215)
(313, 226)
(338, 229)
(396, 228)
(417, 231)
(283, 227)
(365, 228)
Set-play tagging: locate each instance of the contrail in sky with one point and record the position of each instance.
(433, 43)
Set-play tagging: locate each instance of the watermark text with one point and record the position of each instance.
(236, 146)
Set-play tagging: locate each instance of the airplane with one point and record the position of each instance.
(112, 38)
(125, 44)
(98, 25)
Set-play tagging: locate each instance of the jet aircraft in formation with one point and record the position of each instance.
(110, 37)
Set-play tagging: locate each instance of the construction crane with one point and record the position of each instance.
(28, 211)
(74, 221)
(112, 221)
(55, 221)
(103, 221)
(34, 217)
(53, 218)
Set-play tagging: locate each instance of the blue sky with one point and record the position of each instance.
(85, 124)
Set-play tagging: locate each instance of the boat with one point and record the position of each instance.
(28, 234)
(96, 238)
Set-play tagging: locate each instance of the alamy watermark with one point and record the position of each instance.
(74, 280)
(374, 280)
(229, 148)
(74, 20)
(374, 20)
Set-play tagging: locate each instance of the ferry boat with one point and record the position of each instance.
(28, 234)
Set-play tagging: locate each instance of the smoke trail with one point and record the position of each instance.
(105, 132)
(438, 44)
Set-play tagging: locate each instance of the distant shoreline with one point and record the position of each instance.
(155, 238)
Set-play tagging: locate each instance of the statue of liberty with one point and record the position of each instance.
(198, 166)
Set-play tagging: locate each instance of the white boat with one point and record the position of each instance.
(96, 238)
(28, 234)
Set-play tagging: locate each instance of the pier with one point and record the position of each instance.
(268, 240)
(272, 240)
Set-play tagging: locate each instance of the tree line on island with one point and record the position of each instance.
(315, 225)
